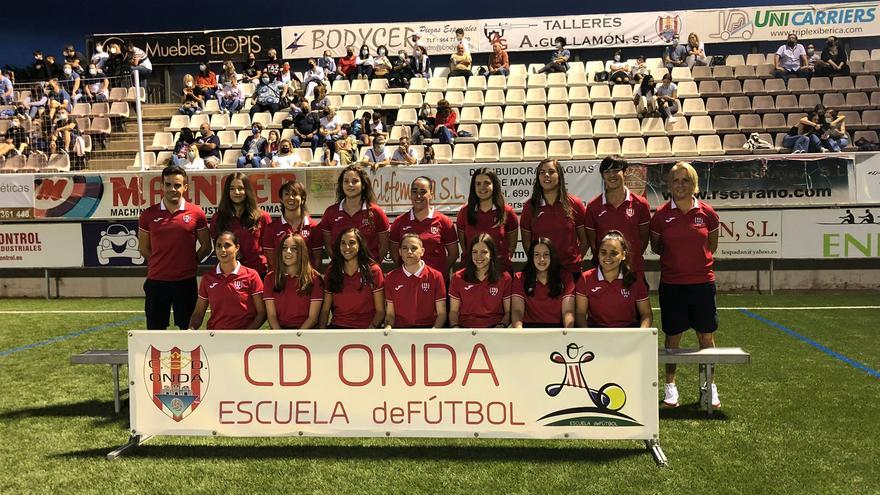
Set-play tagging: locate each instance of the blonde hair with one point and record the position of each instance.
(692, 174)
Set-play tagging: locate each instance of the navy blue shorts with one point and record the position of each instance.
(684, 306)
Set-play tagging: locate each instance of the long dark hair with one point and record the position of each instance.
(337, 263)
(470, 270)
(367, 194)
(554, 271)
(629, 276)
(647, 85)
(250, 217)
(306, 273)
(538, 192)
(497, 197)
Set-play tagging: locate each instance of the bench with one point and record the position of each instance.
(115, 358)
(706, 359)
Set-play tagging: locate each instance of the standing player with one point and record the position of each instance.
(543, 294)
(553, 213)
(439, 240)
(479, 294)
(353, 285)
(684, 232)
(294, 219)
(415, 293)
(612, 295)
(356, 208)
(233, 291)
(619, 209)
(294, 290)
(238, 213)
(167, 235)
(486, 211)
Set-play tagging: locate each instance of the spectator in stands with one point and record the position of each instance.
(38, 139)
(346, 145)
(833, 60)
(667, 98)
(364, 63)
(424, 128)
(639, 70)
(619, 69)
(116, 65)
(70, 81)
(254, 148)
(460, 62)
(191, 102)
(813, 59)
(100, 57)
(696, 51)
(306, 127)
(36, 102)
(559, 60)
(285, 75)
(330, 158)
(837, 137)
(499, 62)
(644, 97)
(381, 65)
(140, 63)
(58, 98)
(347, 65)
(251, 72)
(330, 128)
(791, 59)
(7, 93)
(77, 60)
(64, 129)
(16, 138)
(206, 81)
(287, 156)
(208, 145)
(273, 145)
(421, 63)
(313, 77)
(227, 73)
(402, 71)
(675, 55)
(417, 42)
(321, 101)
(267, 95)
(377, 126)
(802, 137)
(687, 280)
(230, 97)
(428, 155)
(95, 85)
(272, 67)
(404, 154)
(53, 67)
(543, 293)
(40, 70)
(461, 40)
(445, 123)
(377, 156)
(185, 150)
(328, 65)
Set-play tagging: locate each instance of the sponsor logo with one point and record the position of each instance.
(602, 212)
(118, 242)
(176, 380)
(595, 289)
(398, 287)
(733, 24)
(212, 285)
(468, 287)
(668, 26)
(157, 220)
(337, 219)
(435, 230)
(670, 219)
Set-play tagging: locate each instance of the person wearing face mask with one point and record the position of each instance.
(206, 81)
(58, 98)
(272, 67)
(53, 68)
(70, 81)
(287, 156)
(675, 55)
(185, 151)
(64, 129)
(460, 63)
(401, 72)
(424, 128)
(381, 64)
(230, 97)
(421, 63)
(35, 102)
(268, 95)
(208, 145)
(813, 58)
(347, 65)
(619, 69)
(832, 61)
(96, 86)
(639, 69)
(696, 51)
(313, 77)
(77, 60)
(116, 65)
(100, 57)
(191, 102)
(377, 156)
(559, 59)
(7, 93)
(254, 148)
(39, 70)
(327, 63)
(791, 59)
(306, 126)
(251, 73)
(16, 138)
(364, 63)
(644, 98)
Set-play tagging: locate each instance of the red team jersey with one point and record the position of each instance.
(231, 297)
(414, 296)
(436, 231)
(308, 229)
(540, 307)
(686, 257)
(482, 303)
(353, 307)
(291, 306)
(172, 240)
(250, 241)
(486, 223)
(370, 221)
(628, 218)
(610, 304)
(552, 223)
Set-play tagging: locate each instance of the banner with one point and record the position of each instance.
(852, 232)
(774, 23)
(35, 245)
(199, 46)
(596, 383)
(16, 196)
(868, 179)
(111, 244)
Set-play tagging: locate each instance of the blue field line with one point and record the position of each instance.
(855, 364)
(71, 335)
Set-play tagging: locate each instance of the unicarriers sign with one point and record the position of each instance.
(814, 16)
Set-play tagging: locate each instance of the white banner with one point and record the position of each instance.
(851, 232)
(868, 180)
(775, 23)
(40, 245)
(16, 196)
(596, 383)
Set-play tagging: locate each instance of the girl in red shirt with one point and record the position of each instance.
(486, 211)
(238, 213)
(353, 285)
(479, 294)
(294, 219)
(543, 293)
(445, 122)
(415, 293)
(356, 207)
(294, 291)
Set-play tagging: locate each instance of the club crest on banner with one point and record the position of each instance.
(668, 26)
(176, 380)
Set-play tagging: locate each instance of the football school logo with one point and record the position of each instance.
(238, 284)
(668, 26)
(607, 400)
(187, 218)
(630, 212)
(426, 286)
(176, 380)
(698, 221)
(435, 230)
(624, 293)
(493, 291)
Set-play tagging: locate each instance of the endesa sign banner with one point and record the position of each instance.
(597, 383)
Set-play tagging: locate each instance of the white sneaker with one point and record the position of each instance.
(670, 398)
(716, 401)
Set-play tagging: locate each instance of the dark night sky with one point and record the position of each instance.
(51, 24)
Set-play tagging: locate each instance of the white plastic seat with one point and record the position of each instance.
(512, 131)
(487, 152)
(583, 149)
(535, 131)
(511, 152)
(557, 130)
(463, 153)
(536, 113)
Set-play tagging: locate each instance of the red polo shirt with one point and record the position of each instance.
(172, 240)
(482, 303)
(628, 218)
(291, 306)
(610, 304)
(370, 221)
(486, 223)
(231, 297)
(551, 222)
(353, 307)
(436, 231)
(540, 307)
(414, 295)
(273, 233)
(250, 241)
(686, 258)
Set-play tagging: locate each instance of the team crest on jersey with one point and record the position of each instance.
(426, 286)
(365, 222)
(187, 218)
(238, 284)
(624, 293)
(435, 230)
(493, 291)
(698, 221)
(176, 380)
(630, 212)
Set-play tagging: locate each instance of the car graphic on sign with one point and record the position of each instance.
(119, 242)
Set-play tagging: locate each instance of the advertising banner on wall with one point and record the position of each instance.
(198, 46)
(868, 180)
(40, 245)
(111, 244)
(16, 196)
(598, 384)
(852, 232)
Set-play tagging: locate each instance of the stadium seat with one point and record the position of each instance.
(557, 111)
(581, 129)
(740, 104)
(634, 147)
(455, 98)
(352, 101)
(556, 80)
(693, 106)
(463, 153)
(724, 123)
(534, 131)
(474, 133)
(178, 122)
(406, 116)
(495, 97)
(859, 56)
(59, 162)
(490, 132)
(359, 87)
(81, 110)
(512, 131)
(606, 128)
(763, 104)
(103, 126)
(518, 69)
(835, 100)
(715, 105)
(625, 109)
(227, 138)
(733, 145)
(392, 101)
(856, 67)
(437, 84)
(559, 150)
(580, 111)
(516, 81)
(870, 136)
(558, 130)
(721, 73)
(262, 118)
(514, 114)
(744, 72)
(511, 152)
(161, 141)
(684, 146)
(624, 92)
(808, 101)
(701, 73)
(875, 99)
(197, 120)
(230, 158)
(866, 83)
(820, 84)
(658, 146)
(797, 85)
(731, 87)
(399, 131)
(212, 106)
(774, 122)
(477, 83)
(578, 94)
(557, 95)
(536, 96)
(576, 79)
(681, 74)
(608, 147)
(242, 135)
(843, 84)
(378, 85)
(653, 126)
(534, 151)
(278, 119)
(432, 97)
(473, 98)
(775, 86)
(537, 81)
(536, 113)
(787, 103)
(600, 93)
(677, 127)
(118, 109)
(709, 88)
(871, 119)
(603, 110)
(853, 120)
(418, 85)
(412, 100)
(118, 94)
(493, 114)
(339, 87)
(470, 115)
(709, 145)
(793, 118)
(755, 59)
(443, 153)
(515, 96)
(857, 101)
(486, 152)
(686, 89)
(750, 122)
(701, 124)
(629, 127)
